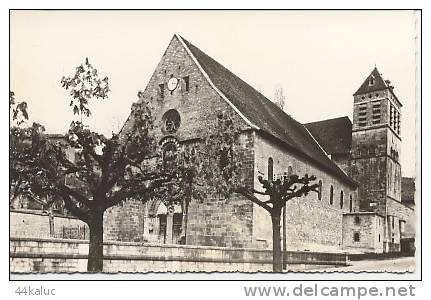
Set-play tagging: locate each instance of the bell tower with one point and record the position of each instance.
(376, 148)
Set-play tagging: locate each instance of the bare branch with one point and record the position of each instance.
(249, 195)
(259, 192)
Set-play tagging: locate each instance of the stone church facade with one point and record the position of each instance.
(358, 207)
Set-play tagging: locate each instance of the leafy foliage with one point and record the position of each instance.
(221, 152)
(18, 110)
(89, 171)
(25, 175)
(84, 86)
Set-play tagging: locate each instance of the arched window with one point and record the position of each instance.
(270, 169)
(289, 171)
(331, 195)
(356, 237)
(341, 199)
(351, 204)
(171, 121)
(320, 190)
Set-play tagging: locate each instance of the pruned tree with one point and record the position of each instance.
(229, 177)
(278, 193)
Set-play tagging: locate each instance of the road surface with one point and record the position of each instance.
(396, 265)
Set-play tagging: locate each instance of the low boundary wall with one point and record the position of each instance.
(45, 255)
(39, 224)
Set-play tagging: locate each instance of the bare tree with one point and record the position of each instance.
(224, 151)
(279, 97)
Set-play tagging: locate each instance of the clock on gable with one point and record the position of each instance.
(172, 84)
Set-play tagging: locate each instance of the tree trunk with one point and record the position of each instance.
(14, 202)
(284, 249)
(277, 262)
(185, 222)
(95, 251)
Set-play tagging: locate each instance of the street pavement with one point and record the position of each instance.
(394, 265)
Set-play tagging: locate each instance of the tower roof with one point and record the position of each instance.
(374, 82)
(262, 114)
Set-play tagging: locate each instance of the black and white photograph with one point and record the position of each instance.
(214, 142)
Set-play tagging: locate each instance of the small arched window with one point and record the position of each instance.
(331, 195)
(320, 190)
(270, 169)
(351, 204)
(289, 171)
(356, 237)
(341, 199)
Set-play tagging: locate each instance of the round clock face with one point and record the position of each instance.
(172, 83)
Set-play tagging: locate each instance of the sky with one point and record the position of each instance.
(319, 58)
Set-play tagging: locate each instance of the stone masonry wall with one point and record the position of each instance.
(403, 213)
(366, 102)
(215, 221)
(29, 224)
(67, 256)
(369, 167)
(312, 224)
(124, 223)
(406, 214)
(375, 166)
(225, 222)
(36, 224)
(370, 229)
(394, 179)
(197, 107)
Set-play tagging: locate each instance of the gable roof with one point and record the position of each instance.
(379, 83)
(261, 113)
(334, 135)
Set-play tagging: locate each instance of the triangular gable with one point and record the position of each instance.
(211, 83)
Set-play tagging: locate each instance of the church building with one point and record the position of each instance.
(358, 206)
